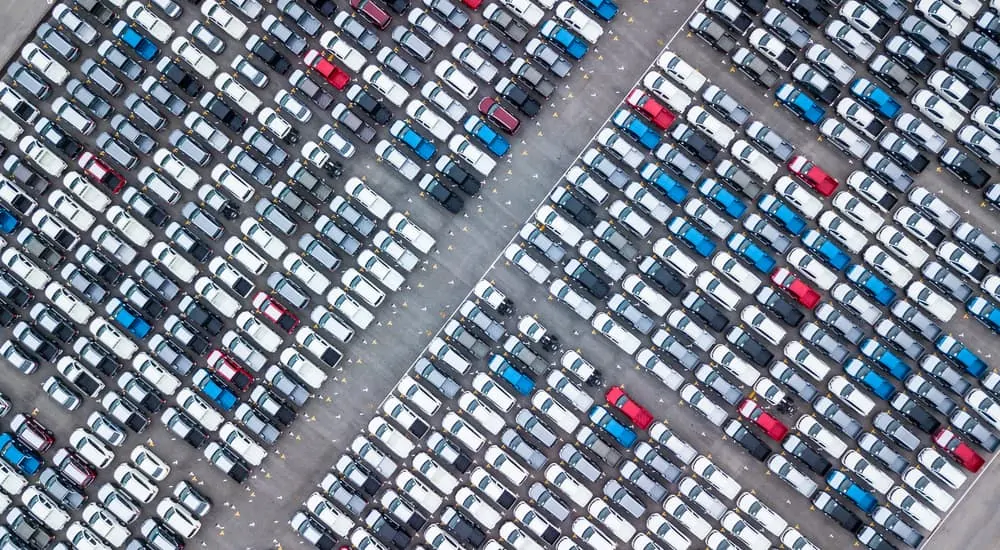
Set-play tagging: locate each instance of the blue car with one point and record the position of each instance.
(800, 103)
(782, 213)
(721, 196)
(420, 145)
(691, 236)
(573, 45)
(605, 9)
(885, 359)
(875, 97)
(742, 245)
(521, 382)
(128, 318)
(655, 175)
(604, 419)
(636, 129)
(214, 389)
(963, 356)
(19, 456)
(142, 46)
(843, 484)
(8, 221)
(871, 284)
(987, 313)
(481, 131)
(858, 370)
(825, 249)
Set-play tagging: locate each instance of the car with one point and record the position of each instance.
(516, 95)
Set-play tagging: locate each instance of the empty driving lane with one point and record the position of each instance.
(467, 243)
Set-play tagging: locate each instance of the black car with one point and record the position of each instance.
(200, 316)
(785, 311)
(462, 528)
(40, 248)
(268, 55)
(811, 11)
(96, 356)
(594, 285)
(98, 10)
(573, 206)
(706, 311)
(666, 278)
(13, 290)
(966, 169)
(750, 442)
(387, 530)
(458, 175)
(755, 7)
(369, 104)
(506, 23)
(23, 174)
(917, 415)
(58, 137)
(8, 314)
(694, 142)
(712, 32)
(224, 112)
(750, 347)
(353, 122)
(812, 459)
(326, 8)
(175, 74)
(836, 511)
(444, 196)
(518, 96)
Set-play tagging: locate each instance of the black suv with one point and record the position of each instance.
(173, 73)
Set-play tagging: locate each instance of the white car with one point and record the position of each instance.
(350, 308)
(580, 22)
(701, 338)
(86, 192)
(679, 510)
(841, 230)
(984, 405)
(591, 251)
(91, 449)
(851, 395)
(262, 237)
(869, 473)
(70, 210)
(436, 125)
(199, 410)
(149, 22)
(719, 291)
(587, 532)
(575, 491)
(931, 301)
(480, 161)
(619, 335)
(435, 93)
(112, 338)
(306, 273)
(762, 324)
(806, 360)
(410, 231)
(902, 246)
(941, 467)
(675, 98)
(461, 431)
(652, 299)
(640, 195)
(218, 298)
(201, 63)
(558, 225)
(53, 227)
(502, 462)
(150, 464)
(364, 288)
(481, 412)
(129, 226)
(242, 97)
(797, 195)
(228, 179)
(565, 294)
(304, 369)
(176, 169)
(42, 156)
(245, 255)
(456, 80)
(104, 524)
(848, 39)
(43, 63)
(944, 17)
(154, 373)
(749, 504)
(714, 128)
(742, 530)
(823, 437)
(723, 482)
(694, 397)
(860, 117)
(926, 488)
(887, 266)
(857, 211)
(808, 265)
(527, 10)
(178, 518)
(174, 262)
(772, 48)
(753, 159)
(372, 201)
(485, 514)
(418, 492)
(389, 153)
(560, 415)
(343, 51)
(681, 71)
(620, 148)
(630, 219)
(44, 509)
(468, 56)
(939, 111)
(226, 21)
(392, 90)
(934, 207)
(381, 271)
(258, 331)
(565, 387)
(736, 272)
(924, 516)
(68, 303)
(135, 483)
(241, 444)
(25, 269)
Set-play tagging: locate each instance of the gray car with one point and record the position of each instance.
(711, 378)
(523, 353)
(305, 21)
(575, 459)
(526, 72)
(546, 55)
(347, 118)
(302, 176)
(547, 501)
(295, 296)
(894, 429)
(623, 498)
(945, 373)
(822, 340)
(61, 489)
(680, 163)
(88, 98)
(117, 151)
(899, 338)
(590, 440)
(363, 224)
(786, 27)
(190, 148)
(329, 229)
(57, 42)
(101, 77)
(534, 426)
(522, 448)
(427, 372)
(633, 473)
(930, 394)
(275, 216)
(639, 320)
(489, 42)
(893, 74)
(915, 319)
(888, 171)
(880, 450)
(154, 278)
(687, 358)
(255, 423)
(145, 112)
(970, 70)
(163, 96)
(738, 178)
(361, 34)
(605, 168)
(201, 219)
(770, 141)
(649, 456)
(977, 241)
(543, 243)
(946, 280)
(286, 386)
(832, 317)
(308, 87)
(835, 414)
(787, 375)
(341, 493)
(251, 166)
(975, 430)
(119, 60)
(409, 74)
(170, 355)
(284, 193)
(412, 43)
(767, 232)
(273, 26)
(125, 129)
(924, 33)
(456, 332)
(318, 251)
(29, 80)
(891, 522)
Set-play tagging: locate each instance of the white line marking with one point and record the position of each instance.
(958, 502)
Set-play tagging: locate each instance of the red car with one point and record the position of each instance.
(968, 458)
(773, 427)
(229, 370)
(332, 73)
(31, 432)
(802, 292)
(277, 313)
(637, 413)
(100, 172)
(372, 12)
(642, 102)
(472, 3)
(499, 115)
(816, 177)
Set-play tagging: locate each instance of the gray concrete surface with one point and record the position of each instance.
(18, 19)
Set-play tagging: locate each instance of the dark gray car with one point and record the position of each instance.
(163, 96)
(263, 145)
(190, 148)
(648, 455)
(787, 375)
(101, 77)
(302, 176)
(836, 415)
(433, 376)
(347, 118)
(412, 44)
(125, 129)
(57, 42)
(711, 377)
(946, 280)
(490, 43)
(970, 70)
(406, 72)
(88, 98)
(119, 60)
(590, 440)
(28, 80)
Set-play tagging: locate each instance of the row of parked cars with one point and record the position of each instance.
(359, 503)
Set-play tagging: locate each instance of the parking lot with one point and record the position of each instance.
(466, 244)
